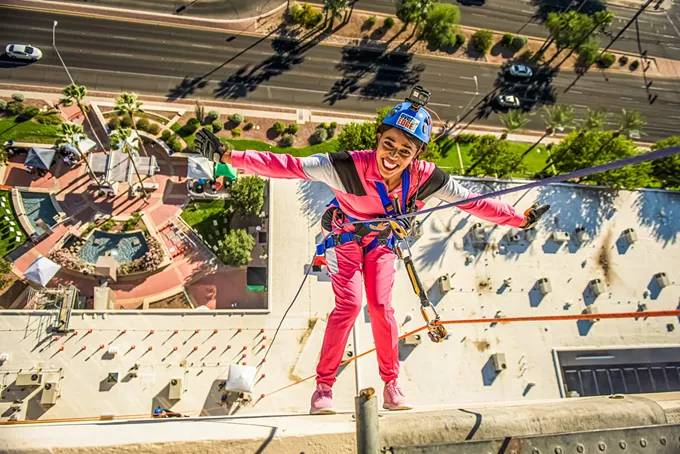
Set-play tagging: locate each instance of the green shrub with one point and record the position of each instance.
(208, 128)
(606, 60)
(334, 125)
(507, 38)
(466, 138)
(193, 122)
(191, 126)
(212, 116)
(623, 60)
(324, 125)
(108, 225)
(49, 117)
(460, 39)
(331, 132)
(126, 121)
(217, 126)
(166, 134)
(154, 129)
(388, 23)
(174, 145)
(370, 22)
(132, 221)
(66, 102)
(30, 112)
(287, 140)
(293, 128)
(191, 148)
(3, 104)
(279, 127)
(236, 132)
(143, 124)
(18, 97)
(319, 136)
(482, 40)
(15, 108)
(518, 42)
(248, 126)
(305, 15)
(634, 65)
(237, 119)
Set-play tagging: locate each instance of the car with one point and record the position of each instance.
(508, 101)
(23, 52)
(520, 71)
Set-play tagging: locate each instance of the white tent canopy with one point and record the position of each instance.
(200, 167)
(241, 378)
(41, 271)
(85, 144)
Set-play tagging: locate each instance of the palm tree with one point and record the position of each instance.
(629, 120)
(76, 93)
(124, 135)
(594, 120)
(334, 7)
(72, 134)
(127, 104)
(515, 119)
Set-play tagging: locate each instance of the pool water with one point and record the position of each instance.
(121, 245)
(38, 205)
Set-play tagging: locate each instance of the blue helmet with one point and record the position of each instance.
(411, 120)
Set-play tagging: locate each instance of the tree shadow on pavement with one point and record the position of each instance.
(660, 212)
(374, 72)
(289, 50)
(545, 7)
(314, 197)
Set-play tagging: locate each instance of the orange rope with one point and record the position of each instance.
(534, 318)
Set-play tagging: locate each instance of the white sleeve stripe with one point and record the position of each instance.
(452, 192)
(318, 167)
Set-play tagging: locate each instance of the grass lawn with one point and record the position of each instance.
(27, 131)
(200, 215)
(7, 238)
(179, 130)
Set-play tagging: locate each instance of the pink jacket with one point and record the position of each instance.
(352, 176)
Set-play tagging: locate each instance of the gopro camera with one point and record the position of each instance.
(419, 96)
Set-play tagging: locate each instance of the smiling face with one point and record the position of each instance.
(395, 152)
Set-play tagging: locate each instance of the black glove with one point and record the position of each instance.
(533, 214)
(209, 145)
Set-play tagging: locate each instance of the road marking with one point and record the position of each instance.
(657, 88)
(673, 104)
(669, 36)
(576, 92)
(467, 78)
(467, 93)
(41, 29)
(672, 23)
(129, 38)
(673, 116)
(527, 11)
(625, 99)
(480, 15)
(580, 106)
(203, 46)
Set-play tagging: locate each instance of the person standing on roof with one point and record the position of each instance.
(364, 183)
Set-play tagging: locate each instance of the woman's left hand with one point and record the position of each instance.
(533, 215)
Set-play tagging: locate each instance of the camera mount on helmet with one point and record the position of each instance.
(419, 97)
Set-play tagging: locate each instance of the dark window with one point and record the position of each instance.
(262, 237)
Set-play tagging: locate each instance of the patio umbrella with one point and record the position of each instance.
(40, 157)
(107, 267)
(200, 167)
(41, 271)
(225, 170)
(85, 145)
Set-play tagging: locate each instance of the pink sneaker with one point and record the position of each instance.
(322, 400)
(394, 398)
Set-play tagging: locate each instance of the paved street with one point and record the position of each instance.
(217, 9)
(115, 56)
(659, 32)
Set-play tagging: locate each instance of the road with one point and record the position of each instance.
(173, 62)
(659, 32)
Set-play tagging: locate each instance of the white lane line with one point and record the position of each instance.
(576, 92)
(480, 15)
(202, 46)
(673, 104)
(673, 116)
(669, 36)
(672, 23)
(625, 99)
(470, 93)
(658, 88)
(579, 106)
(527, 11)
(41, 29)
(129, 38)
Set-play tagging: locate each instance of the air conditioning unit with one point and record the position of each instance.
(582, 235)
(560, 236)
(544, 286)
(596, 286)
(176, 388)
(444, 284)
(662, 280)
(50, 392)
(630, 235)
(499, 363)
(413, 339)
(29, 379)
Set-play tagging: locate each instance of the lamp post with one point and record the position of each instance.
(54, 44)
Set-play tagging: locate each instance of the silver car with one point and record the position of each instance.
(520, 71)
(23, 52)
(508, 101)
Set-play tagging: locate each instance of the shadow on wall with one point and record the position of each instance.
(314, 196)
(660, 211)
(489, 373)
(573, 207)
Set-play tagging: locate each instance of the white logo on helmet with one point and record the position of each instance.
(408, 122)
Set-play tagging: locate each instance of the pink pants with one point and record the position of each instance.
(346, 264)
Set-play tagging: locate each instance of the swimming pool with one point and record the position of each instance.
(124, 247)
(38, 205)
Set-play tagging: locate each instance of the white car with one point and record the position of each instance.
(508, 101)
(23, 52)
(520, 71)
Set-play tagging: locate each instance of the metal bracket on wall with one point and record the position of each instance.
(661, 439)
